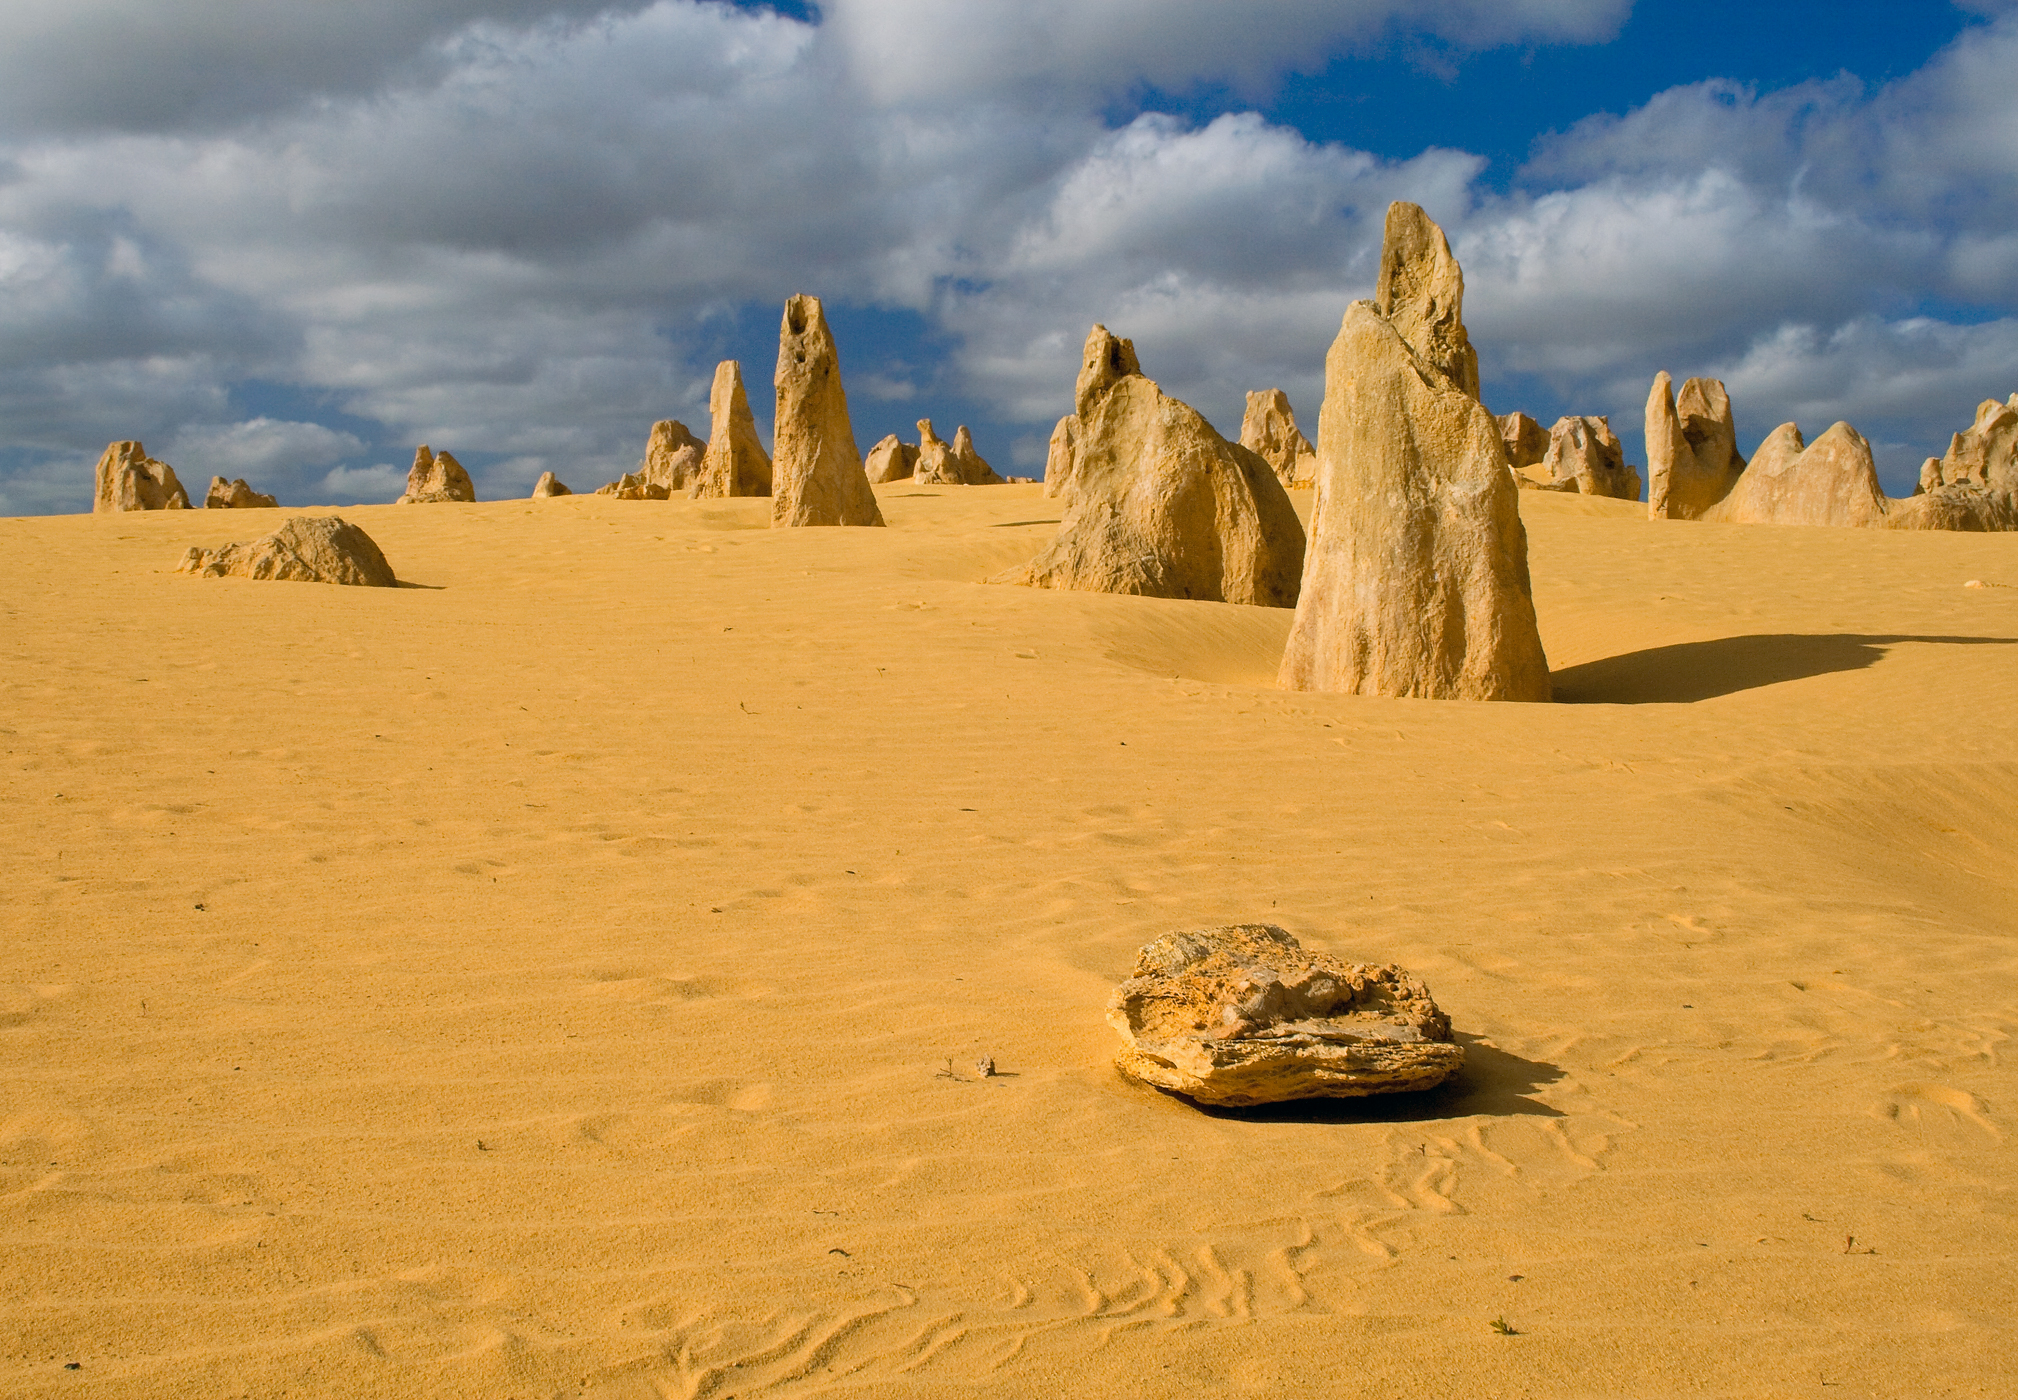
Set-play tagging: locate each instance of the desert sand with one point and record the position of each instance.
(563, 976)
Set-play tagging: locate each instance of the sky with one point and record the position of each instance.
(290, 240)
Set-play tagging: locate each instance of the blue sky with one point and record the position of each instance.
(290, 243)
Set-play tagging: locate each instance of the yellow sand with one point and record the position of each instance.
(543, 980)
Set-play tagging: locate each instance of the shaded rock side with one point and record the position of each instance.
(972, 466)
(549, 486)
(1059, 455)
(1420, 291)
(129, 479)
(672, 457)
(1833, 482)
(735, 463)
(1268, 429)
(1527, 441)
(890, 460)
(1246, 1015)
(1417, 581)
(1584, 455)
(305, 549)
(1692, 454)
(1159, 504)
(635, 486)
(235, 495)
(816, 473)
(435, 477)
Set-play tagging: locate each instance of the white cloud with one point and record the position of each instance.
(373, 485)
(258, 448)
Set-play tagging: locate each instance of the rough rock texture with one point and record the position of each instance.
(1060, 455)
(1834, 482)
(1584, 455)
(435, 477)
(1692, 448)
(549, 486)
(1158, 503)
(735, 463)
(1420, 292)
(672, 457)
(1268, 429)
(306, 549)
(635, 486)
(817, 476)
(1245, 1015)
(934, 465)
(1417, 579)
(234, 495)
(129, 479)
(1527, 442)
(1978, 508)
(1974, 486)
(890, 460)
(972, 466)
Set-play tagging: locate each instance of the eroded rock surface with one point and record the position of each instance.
(1527, 442)
(816, 473)
(1692, 448)
(1246, 1015)
(435, 477)
(890, 460)
(129, 479)
(1417, 582)
(1158, 503)
(934, 464)
(1584, 455)
(1975, 485)
(235, 495)
(305, 549)
(635, 486)
(972, 466)
(549, 486)
(735, 463)
(672, 458)
(1832, 482)
(1268, 429)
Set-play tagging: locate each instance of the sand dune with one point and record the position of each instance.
(562, 976)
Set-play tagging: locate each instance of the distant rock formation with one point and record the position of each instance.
(973, 468)
(1417, 582)
(1584, 455)
(1268, 429)
(1692, 448)
(435, 477)
(235, 495)
(1160, 504)
(634, 486)
(735, 463)
(672, 457)
(1247, 1015)
(1527, 442)
(1973, 487)
(890, 460)
(1834, 482)
(934, 465)
(305, 549)
(817, 476)
(549, 486)
(129, 479)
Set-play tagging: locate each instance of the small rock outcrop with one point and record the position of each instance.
(549, 486)
(1975, 485)
(436, 477)
(634, 486)
(890, 460)
(1527, 442)
(1060, 454)
(816, 473)
(1692, 448)
(1584, 455)
(672, 457)
(305, 549)
(735, 463)
(1158, 503)
(235, 495)
(972, 466)
(934, 465)
(1417, 582)
(129, 479)
(1833, 482)
(1246, 1015)
(1268, 429)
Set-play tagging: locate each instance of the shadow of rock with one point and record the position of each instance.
(1492, 1084)
(1691, 671)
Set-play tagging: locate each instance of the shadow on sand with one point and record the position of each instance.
(1691, 671)
(1491, 1084)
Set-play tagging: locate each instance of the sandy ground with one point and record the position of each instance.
(563, 976)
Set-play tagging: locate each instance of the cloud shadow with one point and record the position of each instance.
(1690, 671)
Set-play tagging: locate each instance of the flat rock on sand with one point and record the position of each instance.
(1246, 1015)
(306, 549)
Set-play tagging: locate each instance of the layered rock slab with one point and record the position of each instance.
(129, 479)
(305, 549)
(816, 472)
(1417, 581)
(1246, 1015)
(1158, 503)
(235, 495)
(1268, 429)
(434, 478)
(1789, 482)
(735, 463)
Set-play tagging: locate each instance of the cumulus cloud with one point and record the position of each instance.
(262, 449)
